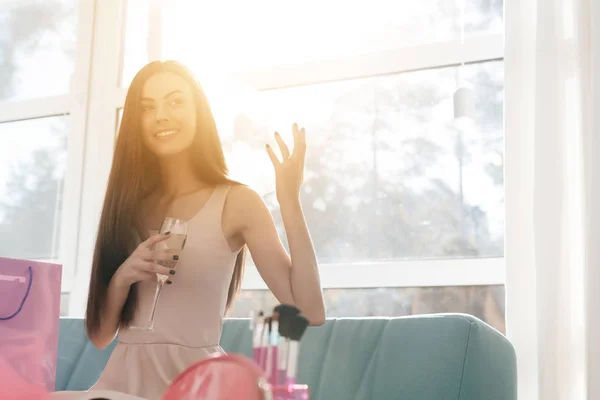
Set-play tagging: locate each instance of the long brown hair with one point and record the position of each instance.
(134, 175)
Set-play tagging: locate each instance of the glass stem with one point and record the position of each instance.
(159, 286)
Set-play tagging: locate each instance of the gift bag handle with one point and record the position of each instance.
(30, 270)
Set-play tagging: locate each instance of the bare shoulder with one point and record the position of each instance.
(244, 208)
(242, 200)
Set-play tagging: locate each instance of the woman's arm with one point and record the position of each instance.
(140, 265)
(109, 325)
(293, 280)
(306, 282)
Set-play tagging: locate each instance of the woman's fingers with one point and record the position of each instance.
(159, 255)
(153, 240)
(285, 151)
(158, 269)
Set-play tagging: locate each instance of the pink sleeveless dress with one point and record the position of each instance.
(189, 316)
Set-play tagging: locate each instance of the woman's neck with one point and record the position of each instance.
(178, 177)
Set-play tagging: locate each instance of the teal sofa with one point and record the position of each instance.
(433, 357)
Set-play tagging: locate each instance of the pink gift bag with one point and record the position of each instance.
(14, 387)
(29, 319)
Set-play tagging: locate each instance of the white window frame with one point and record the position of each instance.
(96, 97)
(416, 273)
(414, 58)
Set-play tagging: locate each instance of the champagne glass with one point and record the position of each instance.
(174, 244)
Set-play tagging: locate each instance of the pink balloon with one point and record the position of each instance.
(223, 377)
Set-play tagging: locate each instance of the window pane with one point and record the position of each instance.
(34, 34)
(135, 39)
(483, 302)
(235, 34)
(32, 170)
(388, 176)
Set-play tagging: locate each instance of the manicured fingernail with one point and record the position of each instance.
(172, 272)
(169, 282)
(175, 257)
(276, 133)
(167, 233)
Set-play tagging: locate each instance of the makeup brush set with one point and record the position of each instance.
(275, 349)
(269, 375)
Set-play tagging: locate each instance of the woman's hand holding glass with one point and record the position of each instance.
(160, 254)
(143, 263)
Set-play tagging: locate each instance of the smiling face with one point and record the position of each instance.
(168, 114)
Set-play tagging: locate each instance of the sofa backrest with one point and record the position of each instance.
(426, 357)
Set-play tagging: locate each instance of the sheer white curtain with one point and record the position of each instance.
(552, 111)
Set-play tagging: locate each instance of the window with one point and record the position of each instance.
(210, 36)
(134, 40)
(33, 162)
(388, 176)
(43, 87)
(405, 208)
(484, 302)
(37, 48)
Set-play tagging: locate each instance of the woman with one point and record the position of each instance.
(168, 161)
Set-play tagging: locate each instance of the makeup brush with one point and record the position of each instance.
(264, 343)
(272, 350)
(285, 314)
(269, 349)
(298, 326)
(257, 327)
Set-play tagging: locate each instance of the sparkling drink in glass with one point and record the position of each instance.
(173, 245)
